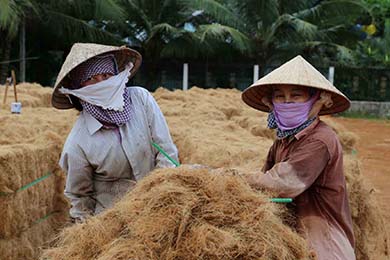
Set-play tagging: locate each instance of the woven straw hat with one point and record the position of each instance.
(80, 53)
(294, 72)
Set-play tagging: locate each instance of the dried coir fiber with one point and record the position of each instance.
(29, 94)
(184, 213)
(368, 224)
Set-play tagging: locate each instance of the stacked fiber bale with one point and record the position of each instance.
(215, 128)
(31, 185)
(372, 239)
(184, 214)
(29, 94)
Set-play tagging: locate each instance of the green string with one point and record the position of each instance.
(165, 154)
(27, 185)
(281, 200)
(45, 217)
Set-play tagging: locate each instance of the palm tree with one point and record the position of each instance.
(374, 50)
(62, 22)
(181, 29)
(175, 28)
(282, 29)
(11, 16)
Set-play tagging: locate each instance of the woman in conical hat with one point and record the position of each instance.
(306, 160)
(110, 146)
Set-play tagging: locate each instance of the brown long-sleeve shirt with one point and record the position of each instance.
(309, 168)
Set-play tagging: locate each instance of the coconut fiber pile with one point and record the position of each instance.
(201, 214)
(185, 214)
(178, 213)
(29, 94)
(31, 185)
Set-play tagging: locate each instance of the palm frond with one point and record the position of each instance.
(288, 27)
(187, 46)
(76, 29)
(165, 29)
(11, 14)
(257, 14)
(333, 12)
(290, 7)
(136, 14)
(223, 33)
(341, 54)
(217, 11)
(109, 10)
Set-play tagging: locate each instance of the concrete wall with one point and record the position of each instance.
(380, 109)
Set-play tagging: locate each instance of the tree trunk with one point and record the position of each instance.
(4, 58)
(22, 51)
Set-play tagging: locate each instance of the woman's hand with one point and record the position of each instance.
(267, 102)
(252, 178)
(324, 100)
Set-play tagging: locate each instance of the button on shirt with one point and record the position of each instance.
(309, 168)
(103, 164)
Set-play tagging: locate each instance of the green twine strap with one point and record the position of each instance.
(27, 185)
(46, 217)
(165, 154)
(281, 200)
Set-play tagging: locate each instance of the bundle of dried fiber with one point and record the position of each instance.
(29, 94)
(184, 213)
(28, 243)
(371, 238)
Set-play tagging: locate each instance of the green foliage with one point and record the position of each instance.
(316, 29)
(375, 50)
(12, 12)
(267, 32)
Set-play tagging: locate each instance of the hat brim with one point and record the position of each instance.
(123, 56)
(253, 95)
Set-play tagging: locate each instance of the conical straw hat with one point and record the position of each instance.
(80, 53)
(294, 72)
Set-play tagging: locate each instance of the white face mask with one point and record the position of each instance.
(107, 94)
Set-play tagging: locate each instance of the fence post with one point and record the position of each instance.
(185, 76)
(255, 73)
(331, 74)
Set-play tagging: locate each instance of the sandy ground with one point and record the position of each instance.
(373, 150)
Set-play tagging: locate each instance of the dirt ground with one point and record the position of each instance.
(373, 150)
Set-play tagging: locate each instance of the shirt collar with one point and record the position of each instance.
(92, 123)
(307, 130)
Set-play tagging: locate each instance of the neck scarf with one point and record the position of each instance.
(285, 133)
(108, 116)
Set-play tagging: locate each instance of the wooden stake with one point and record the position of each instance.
(5, 91)
(14, 81)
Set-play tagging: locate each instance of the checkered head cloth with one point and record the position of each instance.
(107, 116)
(94, 66)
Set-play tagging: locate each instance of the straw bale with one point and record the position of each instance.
(347, 139)
(19, 210)
(214, 127)
(28, 244)
(185, 213)
(29, 94)
(30, 146)
(369, 227)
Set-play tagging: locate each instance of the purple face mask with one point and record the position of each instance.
(291, 115)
